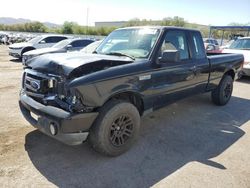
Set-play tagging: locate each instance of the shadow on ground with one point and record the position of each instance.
(190, 130)
(16, 60)
(244, 79)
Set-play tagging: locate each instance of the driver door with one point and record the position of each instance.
(175, 79)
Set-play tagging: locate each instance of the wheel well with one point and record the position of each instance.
(131, 97)
(26, 49)
(230, 73)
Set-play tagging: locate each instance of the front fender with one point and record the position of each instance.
(96, 88)
(121, 89)
(96, 94)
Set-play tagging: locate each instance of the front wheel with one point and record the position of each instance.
(116, 128)
(222, 94)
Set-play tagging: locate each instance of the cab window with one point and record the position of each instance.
(54, 39)
(176, 40)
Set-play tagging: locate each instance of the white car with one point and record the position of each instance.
(68, 45)
(18, 49)
(91, 47)
(241, 46)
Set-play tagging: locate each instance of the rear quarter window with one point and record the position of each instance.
(198, 50)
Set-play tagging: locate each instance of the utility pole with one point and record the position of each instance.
(87, 18)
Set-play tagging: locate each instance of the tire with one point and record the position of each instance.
(115, 129)
(222, 94)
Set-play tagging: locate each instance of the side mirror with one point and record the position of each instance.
(42, 42)
(69, 47)
(169, 56)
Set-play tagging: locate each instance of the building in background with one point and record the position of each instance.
(111, 24)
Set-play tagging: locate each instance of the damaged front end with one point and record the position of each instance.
(47, 78)
(60, 113)
(64, 107)
(51, 90)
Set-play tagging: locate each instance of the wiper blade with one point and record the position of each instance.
(120, 54)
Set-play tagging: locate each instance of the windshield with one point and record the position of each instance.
(135, 42)
(241, 44)
(35, 40)
(91, 47)
(62, 44)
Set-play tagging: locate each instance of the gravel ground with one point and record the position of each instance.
(191, 143)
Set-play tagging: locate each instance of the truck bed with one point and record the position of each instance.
(220, 63)
(218, 58)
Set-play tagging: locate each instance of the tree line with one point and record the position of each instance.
(26, 27)
(66, 28)
(74, 28)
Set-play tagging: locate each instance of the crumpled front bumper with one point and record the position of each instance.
(71, 129)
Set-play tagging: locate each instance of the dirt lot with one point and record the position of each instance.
(192, 143)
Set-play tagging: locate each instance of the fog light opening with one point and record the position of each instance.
(53, 129)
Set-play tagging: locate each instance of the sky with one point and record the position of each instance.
(207, 12)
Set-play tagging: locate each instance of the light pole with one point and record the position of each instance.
(87, 19)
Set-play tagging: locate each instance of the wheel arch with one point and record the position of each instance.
(131, 96)
(26, 49)
(231, 73)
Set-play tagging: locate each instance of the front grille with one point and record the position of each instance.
(37, 85)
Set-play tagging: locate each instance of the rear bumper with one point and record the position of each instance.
(71, 129)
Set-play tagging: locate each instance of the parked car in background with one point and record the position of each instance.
(236, 36)
(4, 38)
(211, 44)
(60, 47)
(227, 44)
(241, 46)
(17, 50)
(91, 48)
(17, 38)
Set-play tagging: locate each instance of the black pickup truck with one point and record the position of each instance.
(100, 97)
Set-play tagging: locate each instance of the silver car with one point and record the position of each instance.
(61, 47)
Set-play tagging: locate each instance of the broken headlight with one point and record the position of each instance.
(76, 102)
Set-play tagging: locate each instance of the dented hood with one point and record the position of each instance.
(64, 64)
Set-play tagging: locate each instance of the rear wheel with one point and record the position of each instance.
(222, 94)
(116, 128)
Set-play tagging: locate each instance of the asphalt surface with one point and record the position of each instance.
(191, 143)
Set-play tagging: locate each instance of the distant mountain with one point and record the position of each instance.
(51, 25)
(12, 21)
